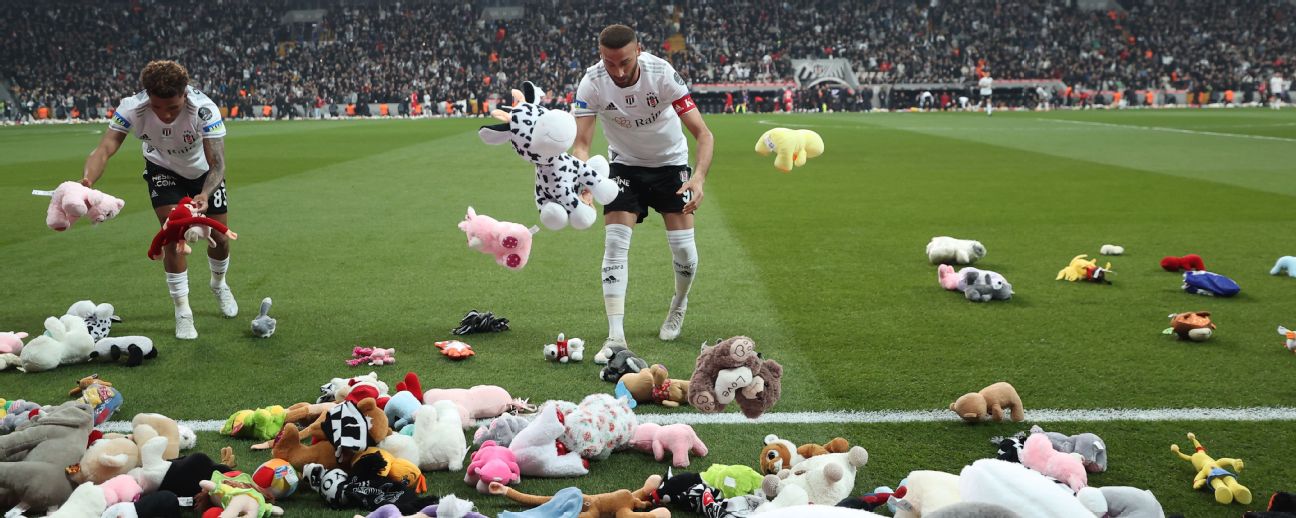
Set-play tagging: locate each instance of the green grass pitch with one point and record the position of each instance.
(351, 228)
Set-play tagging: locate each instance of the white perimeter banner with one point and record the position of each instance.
(810, 72)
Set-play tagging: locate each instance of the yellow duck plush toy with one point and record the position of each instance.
(791, 147)
(1211, 472)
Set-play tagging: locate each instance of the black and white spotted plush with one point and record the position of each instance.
(136, 349)
(1009, 447)
(98, 318)
(542, 137)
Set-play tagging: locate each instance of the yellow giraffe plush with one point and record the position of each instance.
(1212, 471)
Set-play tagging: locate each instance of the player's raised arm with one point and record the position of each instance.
(584, 137)
(98, 159)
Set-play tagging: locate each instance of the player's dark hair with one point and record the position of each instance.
(164, 78)
(616, 36)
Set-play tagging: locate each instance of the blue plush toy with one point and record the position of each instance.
(1285, 262)
(1211, 284)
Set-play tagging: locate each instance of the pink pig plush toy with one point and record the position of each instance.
(677, 439)
(510, 243)
(72, 200)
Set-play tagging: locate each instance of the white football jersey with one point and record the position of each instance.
(986, 83)
(177, 146)
(1276, 84)
(641, 122)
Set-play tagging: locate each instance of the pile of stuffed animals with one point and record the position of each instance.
(78, 336)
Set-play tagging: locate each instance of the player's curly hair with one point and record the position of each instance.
(617, 36)
(164, 78)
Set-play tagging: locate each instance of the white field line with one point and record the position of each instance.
(1173, 130)
(910, 416)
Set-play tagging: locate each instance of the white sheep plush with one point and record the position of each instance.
(438, 432)
(948, 250)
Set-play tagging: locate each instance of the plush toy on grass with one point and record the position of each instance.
(621, 503)
(71, 201)
(1038, 454)
(1091, 448)
(65, 341)
(732, 371)
(976, 284)
(948, 250)
(539, 452)
(237, 495)
(1111, 250)
(11, 343)
(677, 439)
(565, 349)
(790, 147)
(1193, 325)
(135, 348)
(477, 322)
(563, 182)
(510, 243)
(502, 429)
(822, 480)
(1286, 262)
(492, 463)
(99, 318)
(618, 361)
(1215, 474)
(181, 219)
(372, 356)
(438, 433)
(1188, 262)
(990, 403)
(1290, 335)
(1081, 269)
(261, 424)
(455, 350)
(33, 473)
(1209, 284)
(263, 326)
(598, 426)
(653, 386)
(478, 402)
(780, 454)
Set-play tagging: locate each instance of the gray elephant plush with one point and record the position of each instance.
(1091, 448)
(502, 430)
(983, 285)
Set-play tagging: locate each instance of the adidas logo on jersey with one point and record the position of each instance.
(152, 194)
(610, 106)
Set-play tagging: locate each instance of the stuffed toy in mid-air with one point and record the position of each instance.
(791, 148)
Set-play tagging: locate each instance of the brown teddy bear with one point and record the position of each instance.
(327, 450)
(655, 386)
(780, 454)
(732, 371)
(991, 401)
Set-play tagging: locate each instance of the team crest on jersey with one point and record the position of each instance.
(651, 99)
(629, 99)
(188, 137)
(166, 132)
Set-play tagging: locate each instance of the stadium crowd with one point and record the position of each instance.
(70, 57)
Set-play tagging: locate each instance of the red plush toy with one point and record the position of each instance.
(1187, 262)
(180, 219)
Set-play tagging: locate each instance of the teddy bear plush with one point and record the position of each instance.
(564, 349)
(1195, 326)
(1287, 263)
(678, 439)
(72, 201)
(790, 147)
(136, 349)
(105, 459)
(976, 284)
(1091, 448)
(33, 459)
(1038, 454)
(598, 426)
(66, 340)
(340, 433)
(540, 453)
(542, 137)
(492, 463)
(780, 454)
(821, 480)
(653, 386)
(948, 250)
(989, 403)
(1188, 262)
(502, 429)
(438, 432)
(618, 361)
(732, 371)
(510, 243)
(99, 318)
(621, 503)
(181, 219)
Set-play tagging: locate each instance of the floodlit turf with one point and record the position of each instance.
(350, 227)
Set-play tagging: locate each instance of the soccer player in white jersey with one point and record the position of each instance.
(182, 136)
(986, 84)
(1277, 87)
(642, 101)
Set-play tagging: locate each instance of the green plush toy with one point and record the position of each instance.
(261, 424)
(732, 480)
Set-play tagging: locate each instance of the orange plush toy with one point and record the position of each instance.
(181, 219)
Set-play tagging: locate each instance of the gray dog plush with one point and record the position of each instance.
(621, 361)
(984, 285)
(1091, 448)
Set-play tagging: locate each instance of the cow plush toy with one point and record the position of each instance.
(563, 182)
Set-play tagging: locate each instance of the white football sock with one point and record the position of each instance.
(685, 257)
(178, 285)
(218, 269)
(616, 273)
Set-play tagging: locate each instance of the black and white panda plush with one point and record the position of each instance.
(542, 137)
(136, 349)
